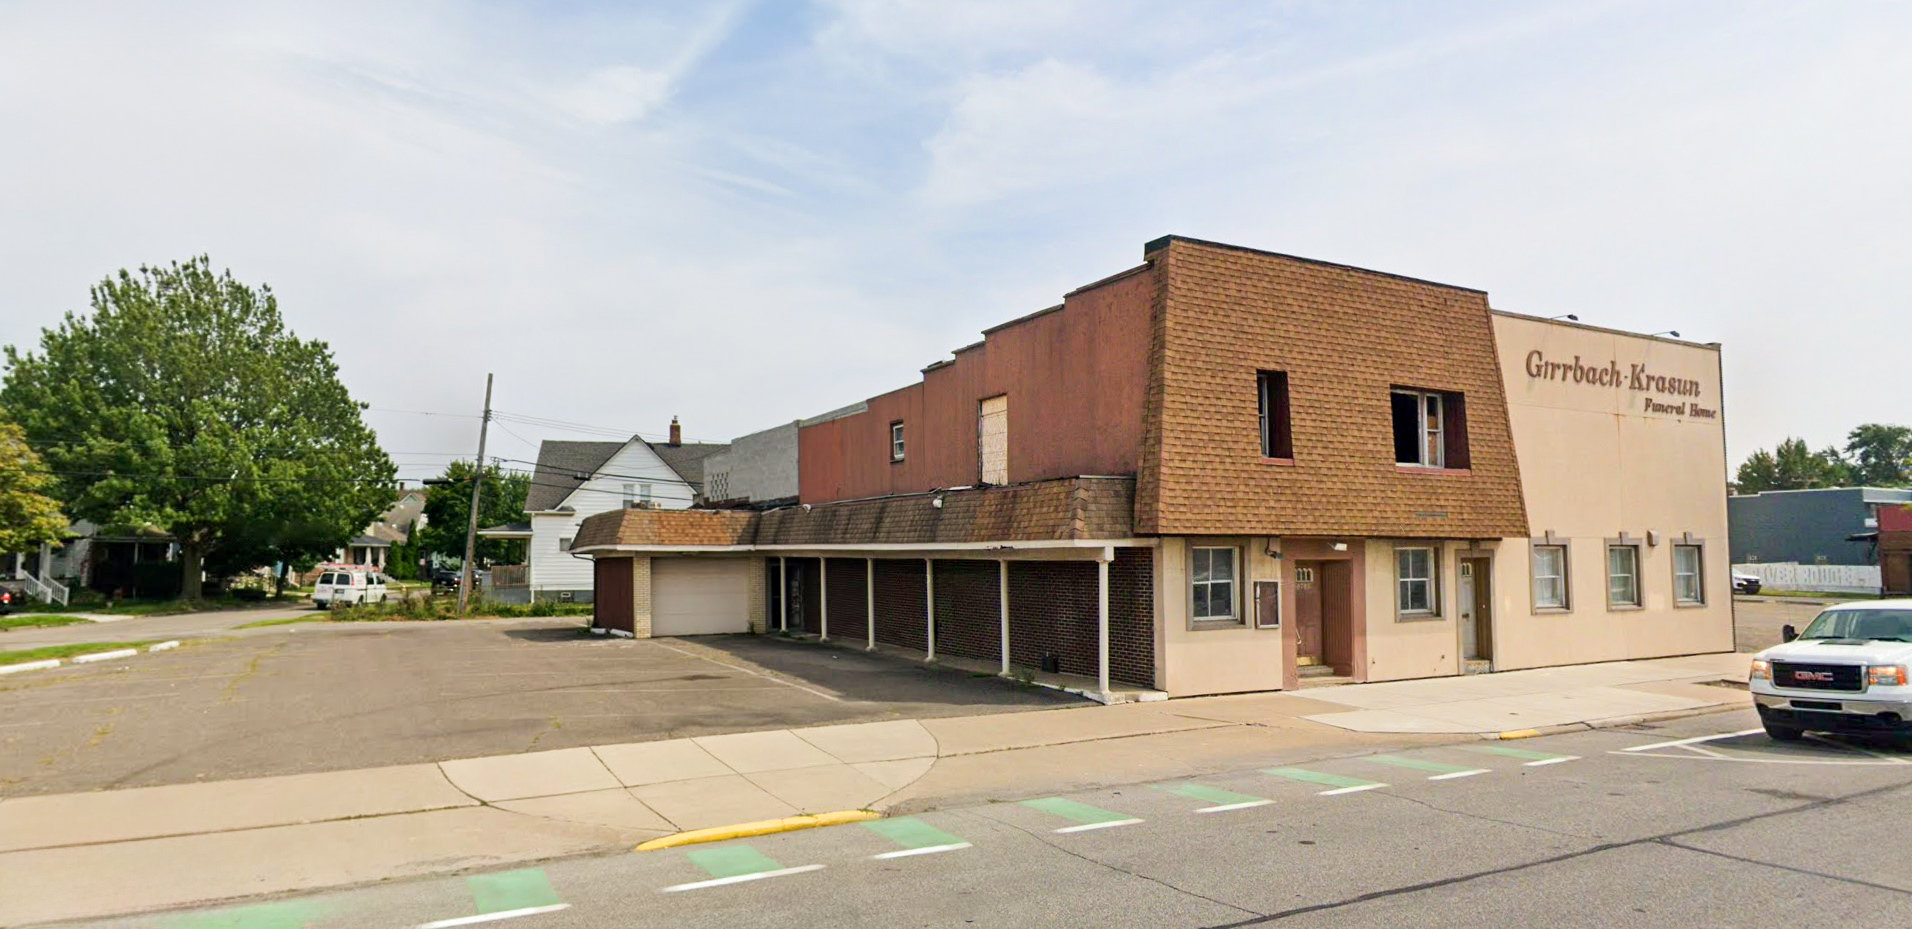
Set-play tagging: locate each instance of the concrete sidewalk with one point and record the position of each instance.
(110, 852)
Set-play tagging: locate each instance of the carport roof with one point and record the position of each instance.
(1070, 509)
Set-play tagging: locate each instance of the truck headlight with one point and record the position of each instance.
(1762, 671)
(1886, 675)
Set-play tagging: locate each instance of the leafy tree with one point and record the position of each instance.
(1792, 466)
(448, 509)
(182, 403)
(1881, 455)
(28, 516)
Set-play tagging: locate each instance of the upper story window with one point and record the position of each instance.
(1430, 428)
(896, 441)
(644, 493)
(630, 494)
(992, 440)
(1277, 435)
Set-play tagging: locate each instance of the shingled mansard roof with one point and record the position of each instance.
(1070, 509)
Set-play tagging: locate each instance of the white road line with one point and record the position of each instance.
(1107, 825)
(1246, 804)
(1454, 774)
(926, 850)
(738, 879)
(493, 917)
(1547, 761)
(1349, 790)
(1692, 741)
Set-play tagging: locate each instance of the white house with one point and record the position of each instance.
(574, 480)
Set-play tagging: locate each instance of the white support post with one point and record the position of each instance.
(869, 604)
(823, 597)
(783, 594)
(1102, 619)
(1002, 583)
(929, 607)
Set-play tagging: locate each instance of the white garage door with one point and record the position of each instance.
(700, 596)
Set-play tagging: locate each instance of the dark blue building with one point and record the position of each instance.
(1808, 526)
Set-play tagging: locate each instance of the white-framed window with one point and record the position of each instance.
(1416, 591)
(1689, 574)
(644, 493)
(1623, 574)
(1304, 575)
(1550, 577)
(896, 441)
(1420, 424)
(564, 545)
(630, 494)
(1214, 584)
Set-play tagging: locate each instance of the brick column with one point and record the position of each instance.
(758, 604)
(641, 597)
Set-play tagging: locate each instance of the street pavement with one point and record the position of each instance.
(1690, 822)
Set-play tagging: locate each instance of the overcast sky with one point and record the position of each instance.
(744, 214)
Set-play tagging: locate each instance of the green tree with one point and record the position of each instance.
(1792, 466)
(448, 509)
(28, 515)
(1881, 455)
(183, 403)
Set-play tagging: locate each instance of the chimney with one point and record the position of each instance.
(677, 433)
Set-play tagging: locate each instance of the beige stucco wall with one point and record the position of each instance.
(1215, 660)
(1399, 649)
(1594, 462)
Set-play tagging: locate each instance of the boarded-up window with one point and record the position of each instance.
(992, 440)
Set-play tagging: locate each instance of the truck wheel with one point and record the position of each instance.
(1779, 733)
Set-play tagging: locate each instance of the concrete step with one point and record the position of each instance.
(1316, 670)
(1327, 680)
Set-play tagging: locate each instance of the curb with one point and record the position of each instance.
(1611, 722)
(760, 827)
(87, 658)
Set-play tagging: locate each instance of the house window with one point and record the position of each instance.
(1277, 435)
(1689, 588)
(630, 494)
(644, 493)
(1550, 577)
(992, 440)
(1430, 429)
(1415, 591)
(564, 545)
(896, 441)
(1623, 575)
(1212, 582)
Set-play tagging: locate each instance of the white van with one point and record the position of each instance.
(346, 588)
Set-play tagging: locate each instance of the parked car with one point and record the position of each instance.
(1745, 583)
(1846, 673)
(346, 588)
(11, 597)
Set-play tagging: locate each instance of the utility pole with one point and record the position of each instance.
(477, 483)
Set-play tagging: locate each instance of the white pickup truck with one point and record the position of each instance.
(1847, 672)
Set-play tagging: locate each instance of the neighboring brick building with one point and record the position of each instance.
(1225, 469)
(1895, 549)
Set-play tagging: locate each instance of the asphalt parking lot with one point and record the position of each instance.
(328, 696)
(1757, 621)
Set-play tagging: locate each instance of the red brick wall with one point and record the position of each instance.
(968, 610)
(849, 598)
(1074, 377)
(901, 607)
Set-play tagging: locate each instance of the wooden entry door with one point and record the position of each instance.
(1477, 608)
(1308, 650)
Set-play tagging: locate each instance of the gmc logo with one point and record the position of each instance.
(1822, 676)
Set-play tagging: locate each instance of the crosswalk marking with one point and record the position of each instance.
(1338, 784)
(735, 864)
(1437, 771)
(916, 837)
(505, 895)
(1086, 817)
(1222, 801)
(290, 914)
(1530, 759)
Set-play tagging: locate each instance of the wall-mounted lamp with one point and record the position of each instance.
(1675, 333)
(1274, 551)
(1566, 316)
(936, 502)
(1339, 546)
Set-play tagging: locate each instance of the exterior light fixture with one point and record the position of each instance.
(1566, 316)
(1339, 546)
(1675, 333)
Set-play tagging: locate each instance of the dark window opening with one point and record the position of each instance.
(1277, 433)
(1430, 428)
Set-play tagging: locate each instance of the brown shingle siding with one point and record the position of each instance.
(1345, 337)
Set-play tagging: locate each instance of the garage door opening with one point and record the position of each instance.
(700, 596)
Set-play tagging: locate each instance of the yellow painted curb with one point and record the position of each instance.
(1518, 734)
(760, 827)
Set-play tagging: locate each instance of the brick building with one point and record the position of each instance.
(1895, 549)
(1224, 470)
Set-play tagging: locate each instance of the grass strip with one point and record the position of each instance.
(67, 651)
